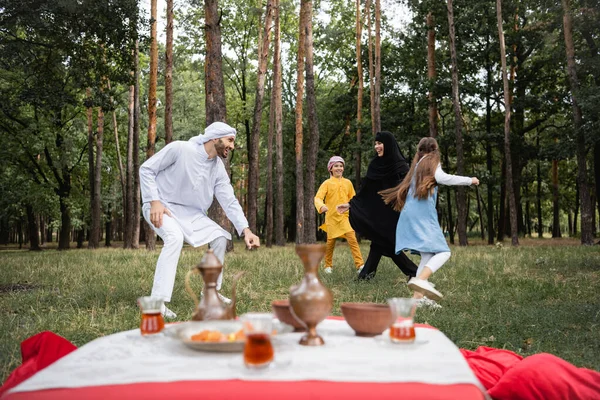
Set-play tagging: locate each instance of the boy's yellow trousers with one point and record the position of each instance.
(354, 248)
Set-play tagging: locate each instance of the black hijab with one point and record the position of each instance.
(369, 215)
(391, 163)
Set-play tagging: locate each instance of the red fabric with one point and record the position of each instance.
(544, 376)
(508, 376)
(37, 352)
(490, 364)
(259, 390)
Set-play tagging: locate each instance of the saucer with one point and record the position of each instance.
(136, 335)
(384, 340)
(237, 363)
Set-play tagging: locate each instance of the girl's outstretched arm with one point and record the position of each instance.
(443, 178)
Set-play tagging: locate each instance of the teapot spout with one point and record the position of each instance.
(233, 295)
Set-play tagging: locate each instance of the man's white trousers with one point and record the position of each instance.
(166, 266)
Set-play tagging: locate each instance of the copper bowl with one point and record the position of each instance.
(283, 311)
(367, 319)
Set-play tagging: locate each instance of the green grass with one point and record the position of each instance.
(540, 297)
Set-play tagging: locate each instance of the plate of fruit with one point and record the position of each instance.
(222, 336)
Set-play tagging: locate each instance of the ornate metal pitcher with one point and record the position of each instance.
(210, 307)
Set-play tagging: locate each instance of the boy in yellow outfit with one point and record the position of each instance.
(334, 191)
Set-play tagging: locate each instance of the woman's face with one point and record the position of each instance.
(379, 148)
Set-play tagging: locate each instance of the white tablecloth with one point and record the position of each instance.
(126, 357)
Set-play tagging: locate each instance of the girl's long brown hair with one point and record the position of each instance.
(424, 179)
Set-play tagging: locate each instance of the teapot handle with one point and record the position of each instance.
(188, 287)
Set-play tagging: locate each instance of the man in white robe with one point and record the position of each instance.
(178, 184)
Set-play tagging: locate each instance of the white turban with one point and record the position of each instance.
(216, 130)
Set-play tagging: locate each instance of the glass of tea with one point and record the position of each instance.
(403, 326)
(258, 350)
(152, 319)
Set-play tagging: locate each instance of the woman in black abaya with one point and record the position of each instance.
(370, 217)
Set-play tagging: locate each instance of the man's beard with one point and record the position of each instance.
(221, 148)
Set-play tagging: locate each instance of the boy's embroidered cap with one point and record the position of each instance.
(333, 160)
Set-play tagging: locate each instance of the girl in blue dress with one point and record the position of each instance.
(418, 228)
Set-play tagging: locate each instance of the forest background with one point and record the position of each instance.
(88, 93)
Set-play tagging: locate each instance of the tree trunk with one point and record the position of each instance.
(269, 197)
(299, 133)
(276, 103)
(555, 204)
(431, 75)
(80, 237)
(570, 223)
(480, 214)
(5, 230)
(135, 237)
(518, 118)
(576, 214)
(216, 109)
(169, 75)
(129, 196)
(96, 208)
(451, 221)
(594, 213)
(108, 226)
(269, 215)
(254, 142)
(310, 229)
(122, 178)
(42, 228)
(49, 231)
(64, 235)
(150, 149)
(32, 227)
(527, 213)
(460, 161)
(502, 202)
(20, 232)
(449, 201)
(587, 236)
(488, 146)
(90, 143)
(597, 173)
(540, 230)
(360, 94)
(509, 175)
(377, 65)
(371, 67)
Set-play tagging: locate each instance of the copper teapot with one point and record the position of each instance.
(210, 307)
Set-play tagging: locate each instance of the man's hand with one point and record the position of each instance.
(475, 181)
(323, 209)
(157, 209)
(251, 239)
(342, 208)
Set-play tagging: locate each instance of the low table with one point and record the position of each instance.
(126, 365)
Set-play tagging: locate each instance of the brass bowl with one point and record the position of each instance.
(367, 319)
(283, 311)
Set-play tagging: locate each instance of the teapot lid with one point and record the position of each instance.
(210, 260)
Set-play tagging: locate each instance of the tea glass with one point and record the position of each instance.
(258, 350)
(152, 319)
(403, 312)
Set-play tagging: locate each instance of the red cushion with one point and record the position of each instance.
(37, 352)
(490, 364)
(544, 376)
